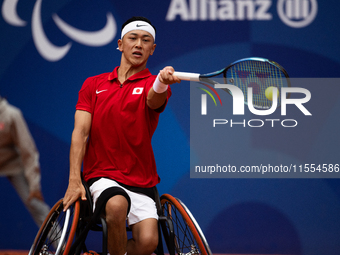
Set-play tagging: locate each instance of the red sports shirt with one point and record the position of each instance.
(119, 145)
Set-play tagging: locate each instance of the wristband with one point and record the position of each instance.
(159, 87)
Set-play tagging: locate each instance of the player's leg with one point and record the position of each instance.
(144, 237)
(112, 201)
(115, 215)
(117, 206)
(143, 220)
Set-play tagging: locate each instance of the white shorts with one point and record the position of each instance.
(142, 206)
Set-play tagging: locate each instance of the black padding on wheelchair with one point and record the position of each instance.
(106, 195)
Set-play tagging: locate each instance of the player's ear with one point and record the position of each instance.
(120, 45)
(153, 49)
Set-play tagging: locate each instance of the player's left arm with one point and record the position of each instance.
(158, 92)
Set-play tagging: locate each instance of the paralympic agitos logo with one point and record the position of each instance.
(48, 50)
(239, 104)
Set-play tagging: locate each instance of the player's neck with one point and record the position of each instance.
(126, 70)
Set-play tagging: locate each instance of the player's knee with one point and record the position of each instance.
(148, 243)
(116, 209)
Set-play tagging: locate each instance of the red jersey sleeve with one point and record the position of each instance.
(86, 96)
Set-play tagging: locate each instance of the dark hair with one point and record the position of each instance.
(135, 18)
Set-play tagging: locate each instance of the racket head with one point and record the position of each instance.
(258, 73)
(255, 72)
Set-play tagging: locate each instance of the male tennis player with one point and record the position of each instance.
(116, 116)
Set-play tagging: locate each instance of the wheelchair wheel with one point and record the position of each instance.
(185, 234)
(56, 234)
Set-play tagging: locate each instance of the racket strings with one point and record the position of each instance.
(259, 76)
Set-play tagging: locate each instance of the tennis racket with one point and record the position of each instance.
(258, 73)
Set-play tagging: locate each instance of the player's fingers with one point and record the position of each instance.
(66, 205)
(170, 70)
(83, 195)
(172, 77)
(162, 76)
(176, 79)
(68, 201)
(166, 75)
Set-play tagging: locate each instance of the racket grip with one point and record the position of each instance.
(187, 76)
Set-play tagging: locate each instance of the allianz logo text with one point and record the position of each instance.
(293, 13)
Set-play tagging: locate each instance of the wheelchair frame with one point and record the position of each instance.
(64, 233)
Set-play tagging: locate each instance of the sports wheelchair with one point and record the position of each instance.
(64, 233)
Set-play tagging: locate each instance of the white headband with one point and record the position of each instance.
(139, 25)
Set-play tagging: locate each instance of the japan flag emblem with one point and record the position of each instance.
(137, 91)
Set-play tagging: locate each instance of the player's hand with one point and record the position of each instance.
(166, 76)
(74, 191)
